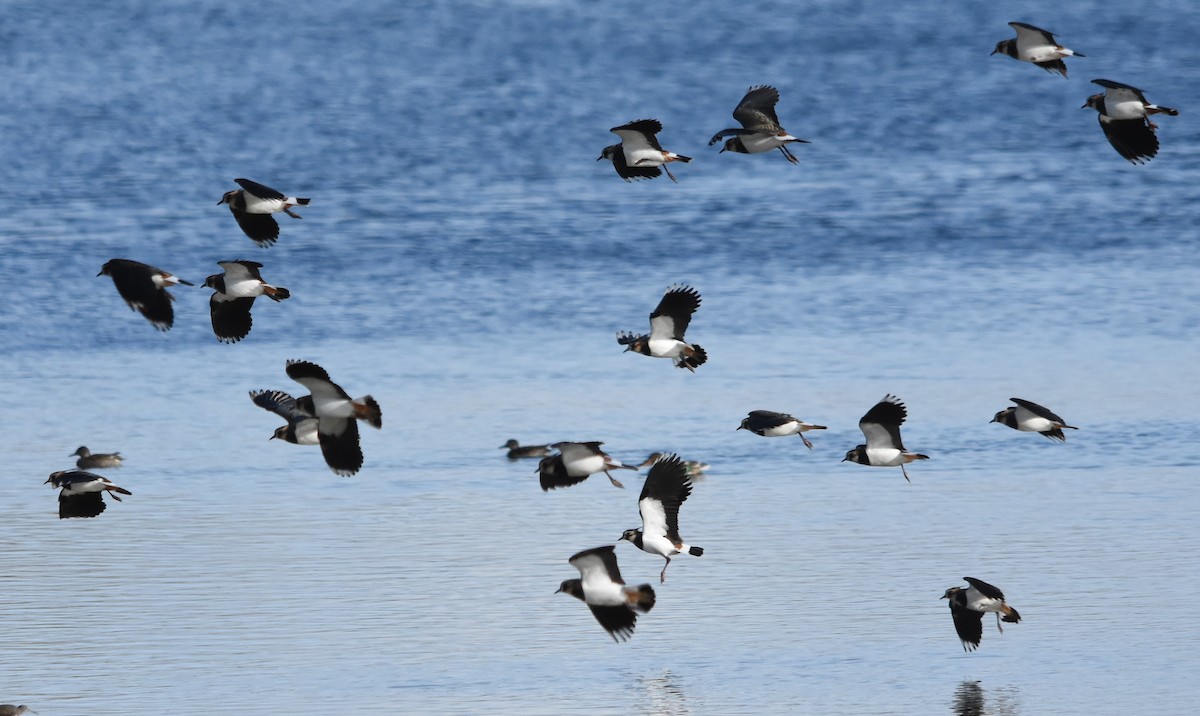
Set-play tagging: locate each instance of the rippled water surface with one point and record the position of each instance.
(957, 233)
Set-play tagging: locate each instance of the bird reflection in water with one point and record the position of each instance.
(970, 700)
(661, 694)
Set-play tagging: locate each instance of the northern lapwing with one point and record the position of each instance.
(234, 292)
(517, 451)
(88, 459)
(1033, 44)
(574, 463)
(639, 155)
(760, 130)
(252, 206)
(600, 586)
(667, 486)
(881, 426)
(1124, 115)
(695, 468)
(337, 416)
(1028, 416)
(771, 424)
(301, 428)
(144, 288)
(82, 492)
(668, 323)
(967, 607)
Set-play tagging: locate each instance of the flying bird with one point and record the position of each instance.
(252, 206)
(967, 607)
(1033, 44)
(1124, 115)
(337, 416)
(144, 288)
(82, 493)
(517, 451)
(1030, 417)
(639, 155)
(881, 426)
(88, 459)
(668, 323)
(667, 486)
(771, 424)
(760, 130)
(301, 428)
(234, 292)
(574, 463)
(613, 604)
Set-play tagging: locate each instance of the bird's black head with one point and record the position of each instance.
(281, 432)
(1006, 47)
(1001, 416)
(574, 587)
(511, 444)
(228, 197)
(608, 152)
(734, 145)
(211, 281)
(951, 592)
(857, 454)
(631, 535)
(1096, 102)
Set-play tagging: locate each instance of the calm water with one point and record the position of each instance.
(958, 232)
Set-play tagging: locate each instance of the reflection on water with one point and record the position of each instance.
(661, 695)
(970, 699)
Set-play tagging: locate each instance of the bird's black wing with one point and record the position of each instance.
(261, 228)
(677, 304)
(985, 589)
(231, 320)
(757, 110)
(262, 191)
(968, 624)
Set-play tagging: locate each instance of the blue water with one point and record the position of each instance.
(958, 232)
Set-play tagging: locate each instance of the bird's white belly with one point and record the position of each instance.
(885, 457)
(243, 289)
(603, 594)
(756, 143)
(658, 544)
(665, 347)
(1124, 110)
(777, 432)
(255, 205)
(643, 157)
(584, 466)
(335, 408)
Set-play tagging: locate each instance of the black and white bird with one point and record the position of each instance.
(1033, 44)
(252, 206)
(517, 451)
(574, 463)
(1124, 115)
(301, 428)
(337, 416)
(1030, 417)
(88, 459)
(82, 492)
(881, 426)
(668, 485)
(144, 288)
(600, 586)
(668, 323)
(771, 424)
(695, 468)
(967, 607)
(639, 155)
(760, 130)
(234, 292)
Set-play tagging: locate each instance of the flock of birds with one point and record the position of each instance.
(328, 416)
(1123, 112)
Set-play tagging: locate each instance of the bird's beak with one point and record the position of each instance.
(1085, 106)
(101, 272)
(845, 459)
(599, 157)
(722, 151)
(740, 427)
(556, 591)
(992, 52)
(271, 438)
